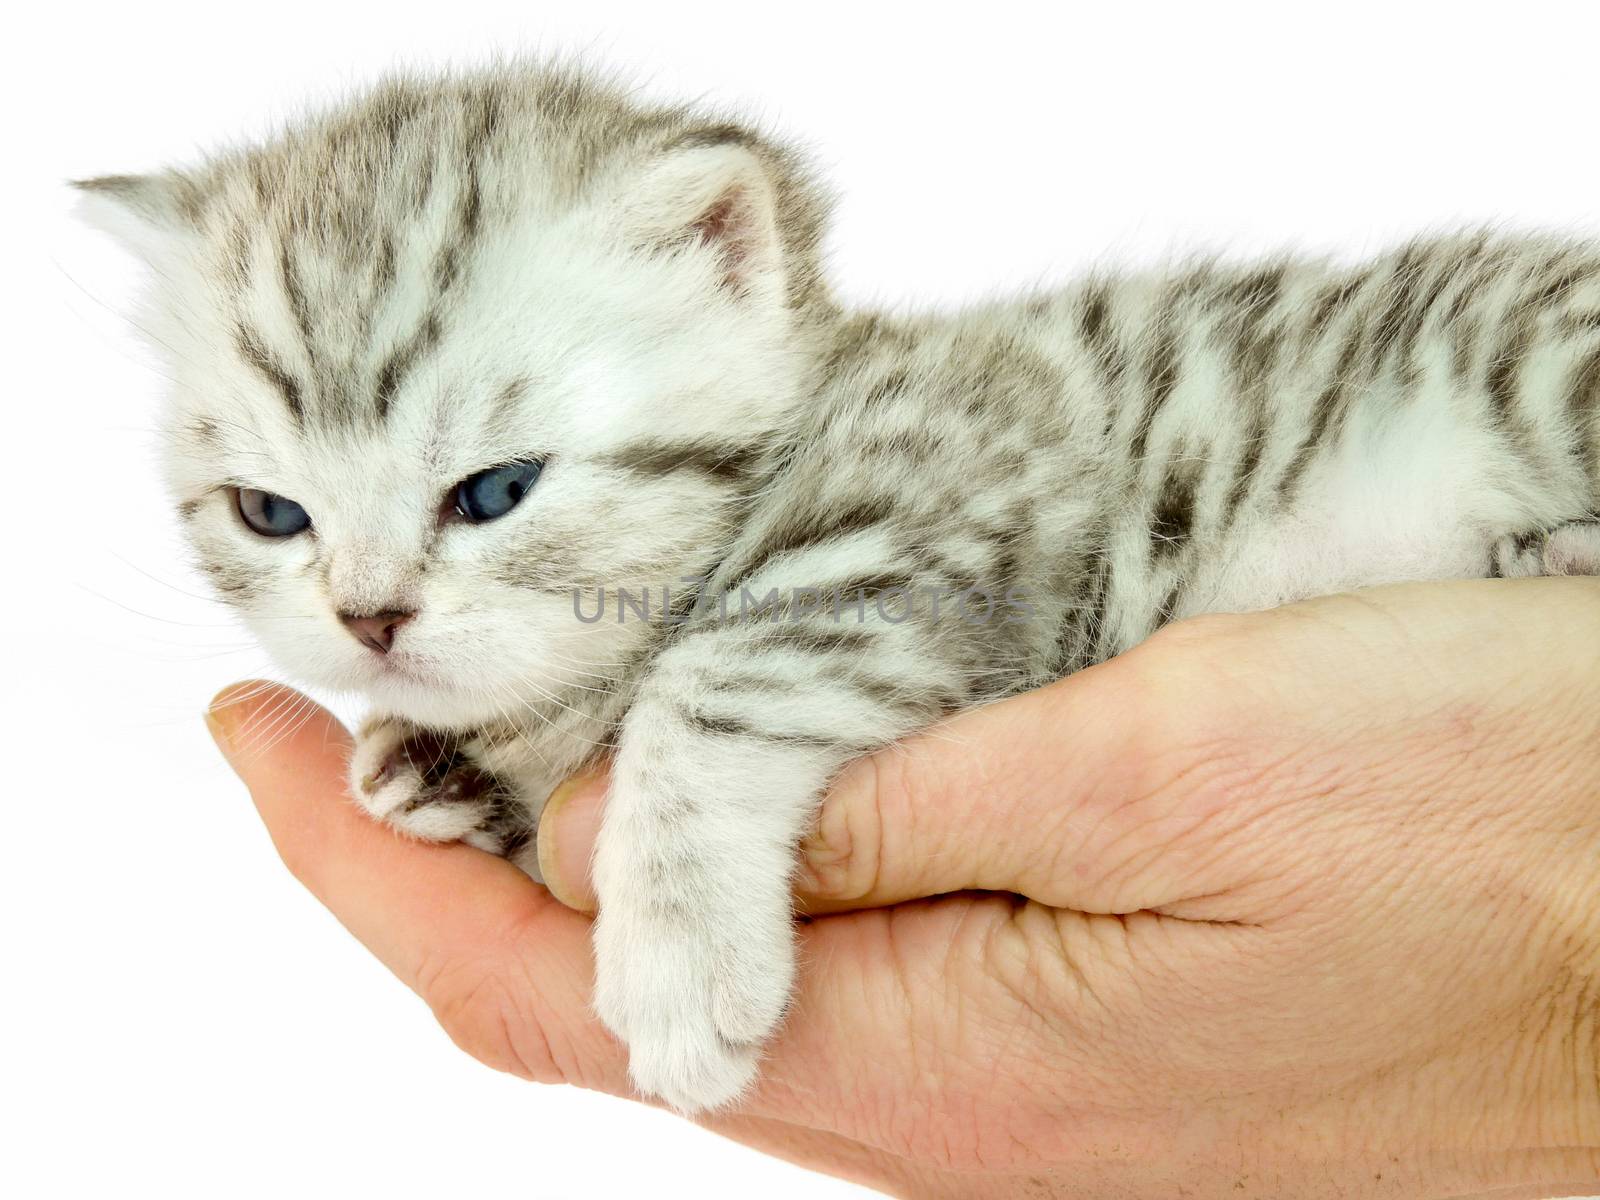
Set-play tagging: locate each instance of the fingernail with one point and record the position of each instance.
(224, 719)
(557, 860)
(229, 714)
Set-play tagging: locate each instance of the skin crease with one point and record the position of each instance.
(1299, 903)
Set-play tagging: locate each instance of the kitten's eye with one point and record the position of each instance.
(495, 492)
(270, 515)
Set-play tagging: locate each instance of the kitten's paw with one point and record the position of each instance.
(1570, 549)
(1573, 549)
(423, 784)
(694, 1000)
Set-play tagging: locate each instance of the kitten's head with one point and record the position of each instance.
(450, 352)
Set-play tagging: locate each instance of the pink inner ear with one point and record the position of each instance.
(721, 226)
(716, 223)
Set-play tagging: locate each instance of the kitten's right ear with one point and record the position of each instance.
(149, 214)
(714, 196)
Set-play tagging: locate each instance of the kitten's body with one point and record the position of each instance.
(457, 274)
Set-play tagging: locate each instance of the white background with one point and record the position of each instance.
(177, 1015)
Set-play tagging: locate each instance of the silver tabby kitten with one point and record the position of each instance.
(457, 362)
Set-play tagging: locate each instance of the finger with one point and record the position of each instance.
(292, 755)
(1184, 776)
(466, 930)
(568, 827)
(507, 969)
(1021, 796)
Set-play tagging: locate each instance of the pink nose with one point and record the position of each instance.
(377, 630)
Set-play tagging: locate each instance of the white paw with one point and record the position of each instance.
(1570, 549)
(1573, 549)
(694, 995)
(420, 783)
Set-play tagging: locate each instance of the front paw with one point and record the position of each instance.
(424, 784)
(1572, 548)
(694, 995)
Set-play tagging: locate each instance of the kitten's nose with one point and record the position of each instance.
(376, 630)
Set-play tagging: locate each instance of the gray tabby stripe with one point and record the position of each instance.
(448, 263)
(1161, 376)
(398, 365)
(722, 462)
(292, 291)
(1327, 412)
(254, 351)
(720, 726)
(1094, 326)
(1174, 513)
(855, 519)
(1583, 407)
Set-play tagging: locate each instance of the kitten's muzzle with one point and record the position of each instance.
(376, 631)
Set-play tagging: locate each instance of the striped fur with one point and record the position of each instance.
(843, 525)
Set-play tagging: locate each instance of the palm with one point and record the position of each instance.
(1198, 922)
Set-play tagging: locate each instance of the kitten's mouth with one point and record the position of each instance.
(395, 666)
(393, 675)
(411, 690)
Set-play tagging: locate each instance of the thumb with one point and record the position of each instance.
(1026, 796)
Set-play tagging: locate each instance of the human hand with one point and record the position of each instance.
(1301, 903)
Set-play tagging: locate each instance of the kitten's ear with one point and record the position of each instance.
(719, 197)
(149, 214)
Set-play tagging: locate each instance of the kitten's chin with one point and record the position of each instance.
(426, 702)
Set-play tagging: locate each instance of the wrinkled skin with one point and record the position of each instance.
(1302, 903)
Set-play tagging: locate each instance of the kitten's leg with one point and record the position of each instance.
(1570, 549)
(435, 787)
(723, 758)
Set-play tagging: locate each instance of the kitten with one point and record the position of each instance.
(457, 362)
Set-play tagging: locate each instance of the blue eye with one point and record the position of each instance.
(495, 492)
(270, 515)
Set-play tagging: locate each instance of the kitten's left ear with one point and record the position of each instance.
(149, 214)
(718, 197)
